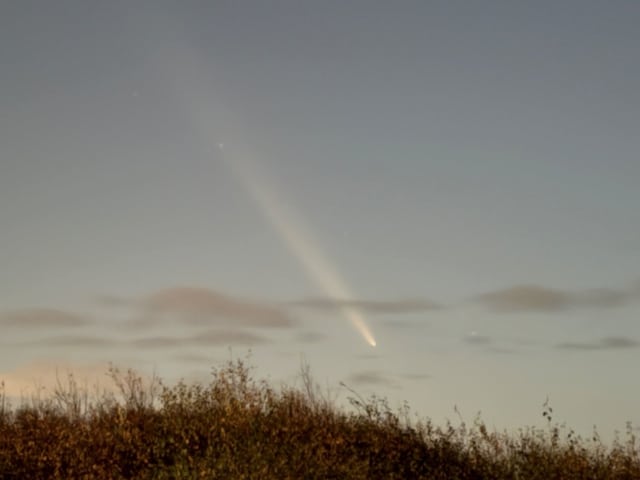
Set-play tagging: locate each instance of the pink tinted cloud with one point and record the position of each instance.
(203, 306)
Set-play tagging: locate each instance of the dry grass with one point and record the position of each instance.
(239, 428)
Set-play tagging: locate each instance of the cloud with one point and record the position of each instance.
(41, 317)
(210, 338)
(370, 377)
(228, 337)
(71, 341)
(310, 337)
(159, 342)
(603, 297)
(526, 298)
(76, 341)
(368, 306)
(202, 306)
(536, 298)
(607, 343)
(112, 301)
(404, 324)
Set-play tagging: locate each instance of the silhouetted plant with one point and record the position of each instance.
(235, 427)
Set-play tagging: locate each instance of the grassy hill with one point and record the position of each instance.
(240, 428)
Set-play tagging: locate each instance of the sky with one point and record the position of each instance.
(186, 182)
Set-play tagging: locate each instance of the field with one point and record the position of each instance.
(236, 427)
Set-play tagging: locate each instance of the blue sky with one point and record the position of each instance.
(469, 172)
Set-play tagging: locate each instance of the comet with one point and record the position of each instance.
(194, 87)
(295, 235)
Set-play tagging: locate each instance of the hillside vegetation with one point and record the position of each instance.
(236, 427)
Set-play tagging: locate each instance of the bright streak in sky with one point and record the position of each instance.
(298, 241)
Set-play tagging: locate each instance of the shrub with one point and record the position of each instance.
(239, 428)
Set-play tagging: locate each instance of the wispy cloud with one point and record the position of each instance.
(403, 324)
(160, 342)
(76, 341)
(526, 298)
(41, 318)
(112, 301)
(68, 341)
(206, 307)
(536, 298)
(607, 343)
(310, 337)
(368, 306)
(603, 297)
(370, 377)
(214, 338)
(210, 338)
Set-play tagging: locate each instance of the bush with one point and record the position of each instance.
(239, 428)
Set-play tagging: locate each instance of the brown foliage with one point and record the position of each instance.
(238, 428)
